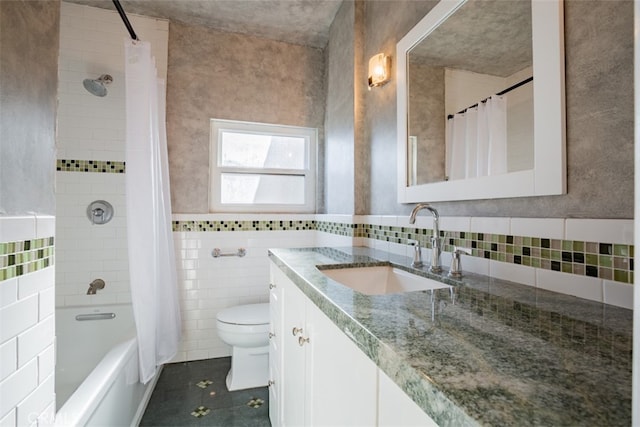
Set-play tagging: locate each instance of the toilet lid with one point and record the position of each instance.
(250, 314)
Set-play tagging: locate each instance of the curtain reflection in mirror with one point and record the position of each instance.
(477, 140)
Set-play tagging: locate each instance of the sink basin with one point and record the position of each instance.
(381, 280)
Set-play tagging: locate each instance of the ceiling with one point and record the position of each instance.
(303, 22)
(488, 37)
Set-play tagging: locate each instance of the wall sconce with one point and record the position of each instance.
(379, 70)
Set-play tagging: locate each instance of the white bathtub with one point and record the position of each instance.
(97, 381)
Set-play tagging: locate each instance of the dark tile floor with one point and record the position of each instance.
(195, 394)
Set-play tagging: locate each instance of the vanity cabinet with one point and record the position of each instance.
(395, 408)
(320, 376)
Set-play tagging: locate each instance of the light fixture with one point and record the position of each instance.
(379, 70)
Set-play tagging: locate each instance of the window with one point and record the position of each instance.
(258, 167)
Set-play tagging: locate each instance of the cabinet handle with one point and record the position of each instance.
(271, 335)
(270, 383)
(302, 340)
(272, 286)
(295, 331)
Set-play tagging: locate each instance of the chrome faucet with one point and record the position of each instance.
(436, 242)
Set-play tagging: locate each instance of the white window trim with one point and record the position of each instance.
(215, 170)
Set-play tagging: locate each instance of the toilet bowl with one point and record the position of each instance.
(246, 329)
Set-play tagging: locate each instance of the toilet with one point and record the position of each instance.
(246, 329)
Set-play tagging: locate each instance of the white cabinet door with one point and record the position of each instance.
(322, 378)
(396, 409)
(294, 366)
(275, 350)
(342, 381)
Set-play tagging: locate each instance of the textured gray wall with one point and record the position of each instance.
(29, 39)
(340, 118)
(213, 74)
(599, 94)
(426, 109)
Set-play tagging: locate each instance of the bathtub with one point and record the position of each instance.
(97, 381)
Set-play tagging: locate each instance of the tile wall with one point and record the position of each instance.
(27, 337)
(589, 258)
(91, 151)
(208, 285)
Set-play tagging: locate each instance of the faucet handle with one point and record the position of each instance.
(456, 265)
(417, 253)
(459, 251)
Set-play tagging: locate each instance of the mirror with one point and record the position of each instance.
(494, 70)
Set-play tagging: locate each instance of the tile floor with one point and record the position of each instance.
(195, 394)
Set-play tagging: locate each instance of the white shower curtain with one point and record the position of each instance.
(477, 140)
(152, 267)
(496, 123)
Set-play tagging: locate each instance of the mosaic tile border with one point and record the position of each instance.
(22, 257)
(96, 166)
(609, 261)
(243, 225)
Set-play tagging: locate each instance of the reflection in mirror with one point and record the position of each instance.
(461, 53)
(470, 97)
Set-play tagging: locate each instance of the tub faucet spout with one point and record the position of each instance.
(94, 286)
(436, 241)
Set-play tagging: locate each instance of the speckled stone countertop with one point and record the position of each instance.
(490, 352)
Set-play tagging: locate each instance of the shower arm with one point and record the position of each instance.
(125, 20)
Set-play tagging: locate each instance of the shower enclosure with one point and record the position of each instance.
(90, 168)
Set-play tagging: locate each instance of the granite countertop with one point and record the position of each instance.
(488, 352)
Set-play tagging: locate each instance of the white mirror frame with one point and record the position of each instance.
(548, 177)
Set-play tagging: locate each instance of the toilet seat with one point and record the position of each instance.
(248, 314)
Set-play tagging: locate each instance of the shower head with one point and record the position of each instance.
(98, 86)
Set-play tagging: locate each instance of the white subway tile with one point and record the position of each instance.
(512, 272)
(35, 403)
(475, 265)
(18, 317)
(35, 339)
(570, 284)
(398, 249)
(90, 299)
(46, 362)
(219, 352)
(422, 221)
(8, 358)
(493, 225)
(45, 226)
(197, 354)
(8, 292)
(549, 228)
(47, 417)
(9, 420)
(17, 386)
(46, 303)
(32, 283)
(455, 223)
(600, 230)
(618, 294)
(17, 228)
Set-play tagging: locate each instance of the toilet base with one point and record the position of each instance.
(249, 368)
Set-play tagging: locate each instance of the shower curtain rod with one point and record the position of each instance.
(123, 15)
(509, 89)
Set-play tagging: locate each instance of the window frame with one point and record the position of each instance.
(219, 126)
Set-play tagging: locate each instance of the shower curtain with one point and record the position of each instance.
(477, 140)
(152, 267)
